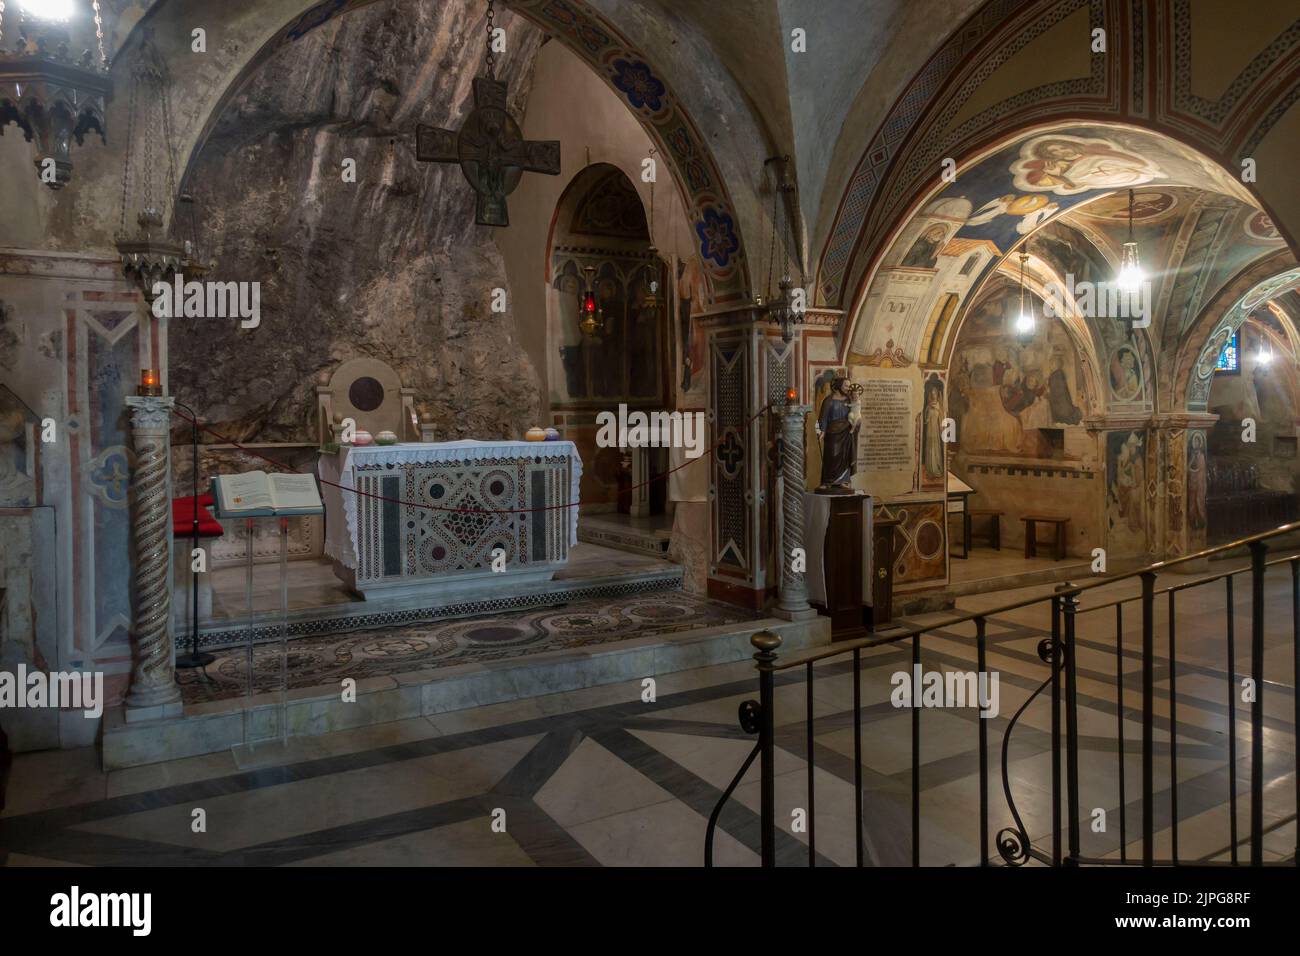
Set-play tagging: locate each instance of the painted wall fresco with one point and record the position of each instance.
(1126, 492)
(1005, 392)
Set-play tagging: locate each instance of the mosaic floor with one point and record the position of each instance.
(602, 777)
(326, 660)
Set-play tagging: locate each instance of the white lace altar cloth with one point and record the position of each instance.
(417, 510)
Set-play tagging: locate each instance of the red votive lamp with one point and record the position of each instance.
(150, 382)
(792, 396)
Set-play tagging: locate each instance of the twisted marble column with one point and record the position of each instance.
(153, 692)
(793, 593)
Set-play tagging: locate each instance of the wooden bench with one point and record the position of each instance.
(1031, 535)
(994, 532)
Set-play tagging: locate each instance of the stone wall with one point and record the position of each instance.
(391, 266)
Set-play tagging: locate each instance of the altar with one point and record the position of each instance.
(430, 518)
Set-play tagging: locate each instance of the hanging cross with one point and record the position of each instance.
(491, 151)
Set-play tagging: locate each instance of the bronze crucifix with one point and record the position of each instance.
(491, 151)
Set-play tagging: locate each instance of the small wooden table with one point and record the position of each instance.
(995, 525)
(1031, 536)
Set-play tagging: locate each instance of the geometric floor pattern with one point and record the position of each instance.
(326, 660)
(601, 777)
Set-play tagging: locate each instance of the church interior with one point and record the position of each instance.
(649, 433)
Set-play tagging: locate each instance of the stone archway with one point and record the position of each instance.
(630, 72)
(991, 77)
(1059, 193)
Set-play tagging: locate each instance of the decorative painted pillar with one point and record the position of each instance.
(153, 693)
(750, 369)
(1184, 438)
(793, 603)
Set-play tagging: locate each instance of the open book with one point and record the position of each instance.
(255, 494)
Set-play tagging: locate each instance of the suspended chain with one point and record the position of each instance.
(491, 60)
(126, 167)
(99, 33)
(164, 97)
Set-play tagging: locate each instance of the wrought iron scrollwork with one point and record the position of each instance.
(750, 714)
(1013, 842)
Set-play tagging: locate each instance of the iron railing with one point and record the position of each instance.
(1059, 651)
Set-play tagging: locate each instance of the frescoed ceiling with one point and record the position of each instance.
(1062, 196)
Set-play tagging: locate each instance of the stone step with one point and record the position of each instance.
(310, 711)
(1074, 570)
(401, 611)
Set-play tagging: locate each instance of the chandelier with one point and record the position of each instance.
(781, 309)
(148, 255)
(53, 78)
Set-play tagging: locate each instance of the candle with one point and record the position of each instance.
(150, 382)
(792, 396)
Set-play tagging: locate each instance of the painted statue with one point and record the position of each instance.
(838, 421)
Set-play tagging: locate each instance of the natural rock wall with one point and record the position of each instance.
(391, 266)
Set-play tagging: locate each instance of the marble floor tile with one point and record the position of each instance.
(54, 778)
(470, 843)
(663, 834)
(279, 812)
(571, 796)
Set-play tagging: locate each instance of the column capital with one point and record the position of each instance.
(150, 413)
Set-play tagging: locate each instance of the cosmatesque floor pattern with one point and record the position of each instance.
(605, 777)
(326, 660)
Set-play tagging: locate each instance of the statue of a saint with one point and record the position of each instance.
(838, 421)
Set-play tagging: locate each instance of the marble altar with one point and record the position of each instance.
(427, 517)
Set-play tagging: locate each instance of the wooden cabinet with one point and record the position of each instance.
(843, 560)
(882, 572)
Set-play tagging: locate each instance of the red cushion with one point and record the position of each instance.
(183, 518)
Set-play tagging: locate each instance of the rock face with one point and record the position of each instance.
(390, 266)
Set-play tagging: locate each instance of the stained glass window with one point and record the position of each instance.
(1230, 357)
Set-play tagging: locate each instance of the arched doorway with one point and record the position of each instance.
(1243, 473)
(617, 354)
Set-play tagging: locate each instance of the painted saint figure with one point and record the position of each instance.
(1196, 483)
(932, 459)
(1058, 395)
(838, 421)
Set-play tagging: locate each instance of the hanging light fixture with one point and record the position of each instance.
(781, 308)
(194, 264)
(1265, 354)
(1025, 318)
(591, 320)
(1130, 275)
(650, 303)
(148, 255)
(54, 94)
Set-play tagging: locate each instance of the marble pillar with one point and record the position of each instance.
(792, 601)
(153, 692)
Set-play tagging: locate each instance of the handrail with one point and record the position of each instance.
(1195, 583)
(862, 643)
